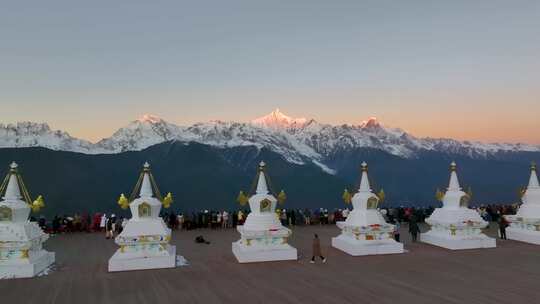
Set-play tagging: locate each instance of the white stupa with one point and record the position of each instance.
(263, 238)
(525, 225)
(21, 241)
(144, 242)
(455, 225)
(365, 232)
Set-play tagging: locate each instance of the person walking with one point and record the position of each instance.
(414, 229)
(317, 250)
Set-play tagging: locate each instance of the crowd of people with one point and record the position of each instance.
(99, 222)
(212, 219)
(208, 219)
(288, 217)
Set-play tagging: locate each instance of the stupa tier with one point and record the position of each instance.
(263, 238)
(144, 242)
(365, 232)
(525, 225)
(21, 241)
(456, 226)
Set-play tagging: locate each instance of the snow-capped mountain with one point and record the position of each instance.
(29, 134)
(298, 140)
(139, 134)
(277, 120)
(328, 139)
(231, 134)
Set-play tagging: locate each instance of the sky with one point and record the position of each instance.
(468, 70)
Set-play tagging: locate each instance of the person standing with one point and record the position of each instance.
(42, 223)
(283, 217)
(397, 226)
(225, 219)
(502, 226)
(219, 219)
(56, 224)
(113, 220)
(172, 221)
(109, 229)
(240, 217)
(102, 222)
(234, 219)
(317, 250)
(77, 222)
(414, 229)
(345, 213)
(180, 220)
(293, 217)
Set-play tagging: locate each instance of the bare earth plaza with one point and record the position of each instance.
(424, 274)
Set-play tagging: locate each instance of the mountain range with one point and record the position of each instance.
(298, 140)
(315, 160)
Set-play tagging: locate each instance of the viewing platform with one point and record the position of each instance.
(423, 274)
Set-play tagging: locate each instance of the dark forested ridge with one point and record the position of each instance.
(199, 176)
(206, 177)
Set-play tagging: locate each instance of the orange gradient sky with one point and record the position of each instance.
(468, 70)
(494, 116)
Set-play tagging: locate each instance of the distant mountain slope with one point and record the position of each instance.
(207, 177)
(199, 176)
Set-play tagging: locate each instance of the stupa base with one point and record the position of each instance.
(355, 247)
(27, 270)
(458, 243)
(260, 254)
(523, 235)
(120, 263)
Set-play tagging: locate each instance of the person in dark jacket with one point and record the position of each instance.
(110, 226)
(397, 226)
(317, 250)
(173, 221)
(56, 224)
(42, 223)
(414, 229)
(503, 223)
